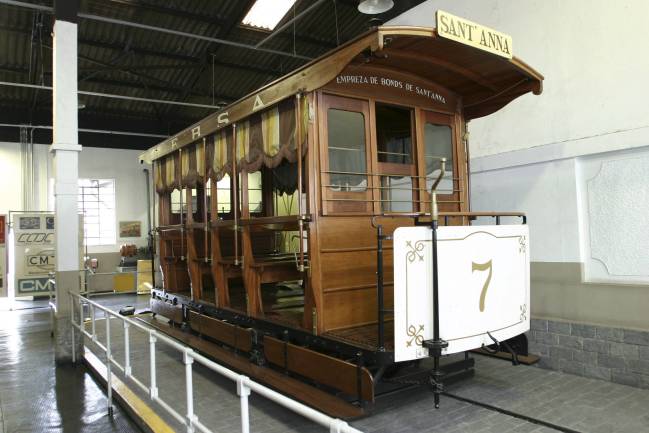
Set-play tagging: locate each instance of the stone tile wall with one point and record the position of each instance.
(612, 354)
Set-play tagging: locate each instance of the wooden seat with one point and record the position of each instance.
(261, 267)
(173, 253)
(200, 272)
(224, 265)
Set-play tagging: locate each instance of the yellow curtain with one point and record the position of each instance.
(269, 137)
(193, 164)
(270, 131)
(243, 140)
(220, 154)
(158, 173)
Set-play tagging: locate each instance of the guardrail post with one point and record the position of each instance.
(188, 360)
(72, 324)
(153, 391)
(337, 426)
(244, 391)
(92, 322)
(109, 372)
(127, 350)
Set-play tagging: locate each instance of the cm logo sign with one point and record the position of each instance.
(43, 260)
(35, 238)
(33, 285)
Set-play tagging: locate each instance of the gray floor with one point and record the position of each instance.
(574, 402)
(36, 396)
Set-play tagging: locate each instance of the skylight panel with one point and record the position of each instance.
(266, 14)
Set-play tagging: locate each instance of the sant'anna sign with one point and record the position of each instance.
(475, 35)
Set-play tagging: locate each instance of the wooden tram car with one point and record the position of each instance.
(266, 240)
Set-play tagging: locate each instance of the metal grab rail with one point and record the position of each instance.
(244, 384)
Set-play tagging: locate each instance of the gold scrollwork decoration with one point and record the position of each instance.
(416, 335)
(415, 251)
(523, 309)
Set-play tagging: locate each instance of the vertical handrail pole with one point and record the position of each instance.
(188, 360)
(182, 216)
(153, 389)
(379, 284)
(206, 182)
(298, 150)
(74, 346)
(82, 320)
(109, 372)
(235, 185)
(127, 350)
(92, 322)
(244, 392)
(436, 345)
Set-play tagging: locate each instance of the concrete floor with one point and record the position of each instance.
(36, 396)
(572, 402)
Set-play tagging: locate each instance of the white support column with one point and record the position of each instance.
(65, 149)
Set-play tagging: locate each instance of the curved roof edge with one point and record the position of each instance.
(322, 70)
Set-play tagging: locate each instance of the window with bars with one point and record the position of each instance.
(97, 204)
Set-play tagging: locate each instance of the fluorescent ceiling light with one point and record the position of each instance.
(266, 14)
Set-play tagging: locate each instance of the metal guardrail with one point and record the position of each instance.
(244, 384)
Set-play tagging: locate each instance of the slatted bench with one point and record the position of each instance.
(266, 267)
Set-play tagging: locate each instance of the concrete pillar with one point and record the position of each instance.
(65, 149)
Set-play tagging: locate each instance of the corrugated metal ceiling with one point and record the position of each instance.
(142, 63)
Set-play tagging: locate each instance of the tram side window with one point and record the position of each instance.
(439, 144)
(347, 159)
(394, 151)
(223, 196)
(177, 200)
(394, 134)
(255, 195)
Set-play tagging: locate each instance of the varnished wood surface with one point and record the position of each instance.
(340, 282)
(486, 82)
(365, 336)
(307, 394)
(233, 336)
(333, 372)
(165, 309)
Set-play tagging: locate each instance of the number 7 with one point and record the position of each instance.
(483, 267)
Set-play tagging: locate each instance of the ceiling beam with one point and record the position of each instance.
(205, 17)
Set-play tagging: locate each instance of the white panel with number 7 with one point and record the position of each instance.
(484, 287)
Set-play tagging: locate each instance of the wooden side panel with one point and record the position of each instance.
(321, 368)
(231, 335)
(171, 312)
(354, 307)
(348, 270)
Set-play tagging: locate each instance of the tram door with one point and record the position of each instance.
(439, 140)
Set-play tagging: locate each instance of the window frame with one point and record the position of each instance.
(113, 223)
(392, 169)
(334, 202)
(447, 202)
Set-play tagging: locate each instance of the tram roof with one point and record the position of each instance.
(486, 82)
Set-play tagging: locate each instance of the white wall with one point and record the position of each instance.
(575, 158)
(121, 165)
(10, 167)
(130, 187)
(591, 52)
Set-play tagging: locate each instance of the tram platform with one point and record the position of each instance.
(497, 399)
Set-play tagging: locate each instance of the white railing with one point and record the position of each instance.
(190, 420)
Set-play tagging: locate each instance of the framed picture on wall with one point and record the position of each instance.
(130, 229)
